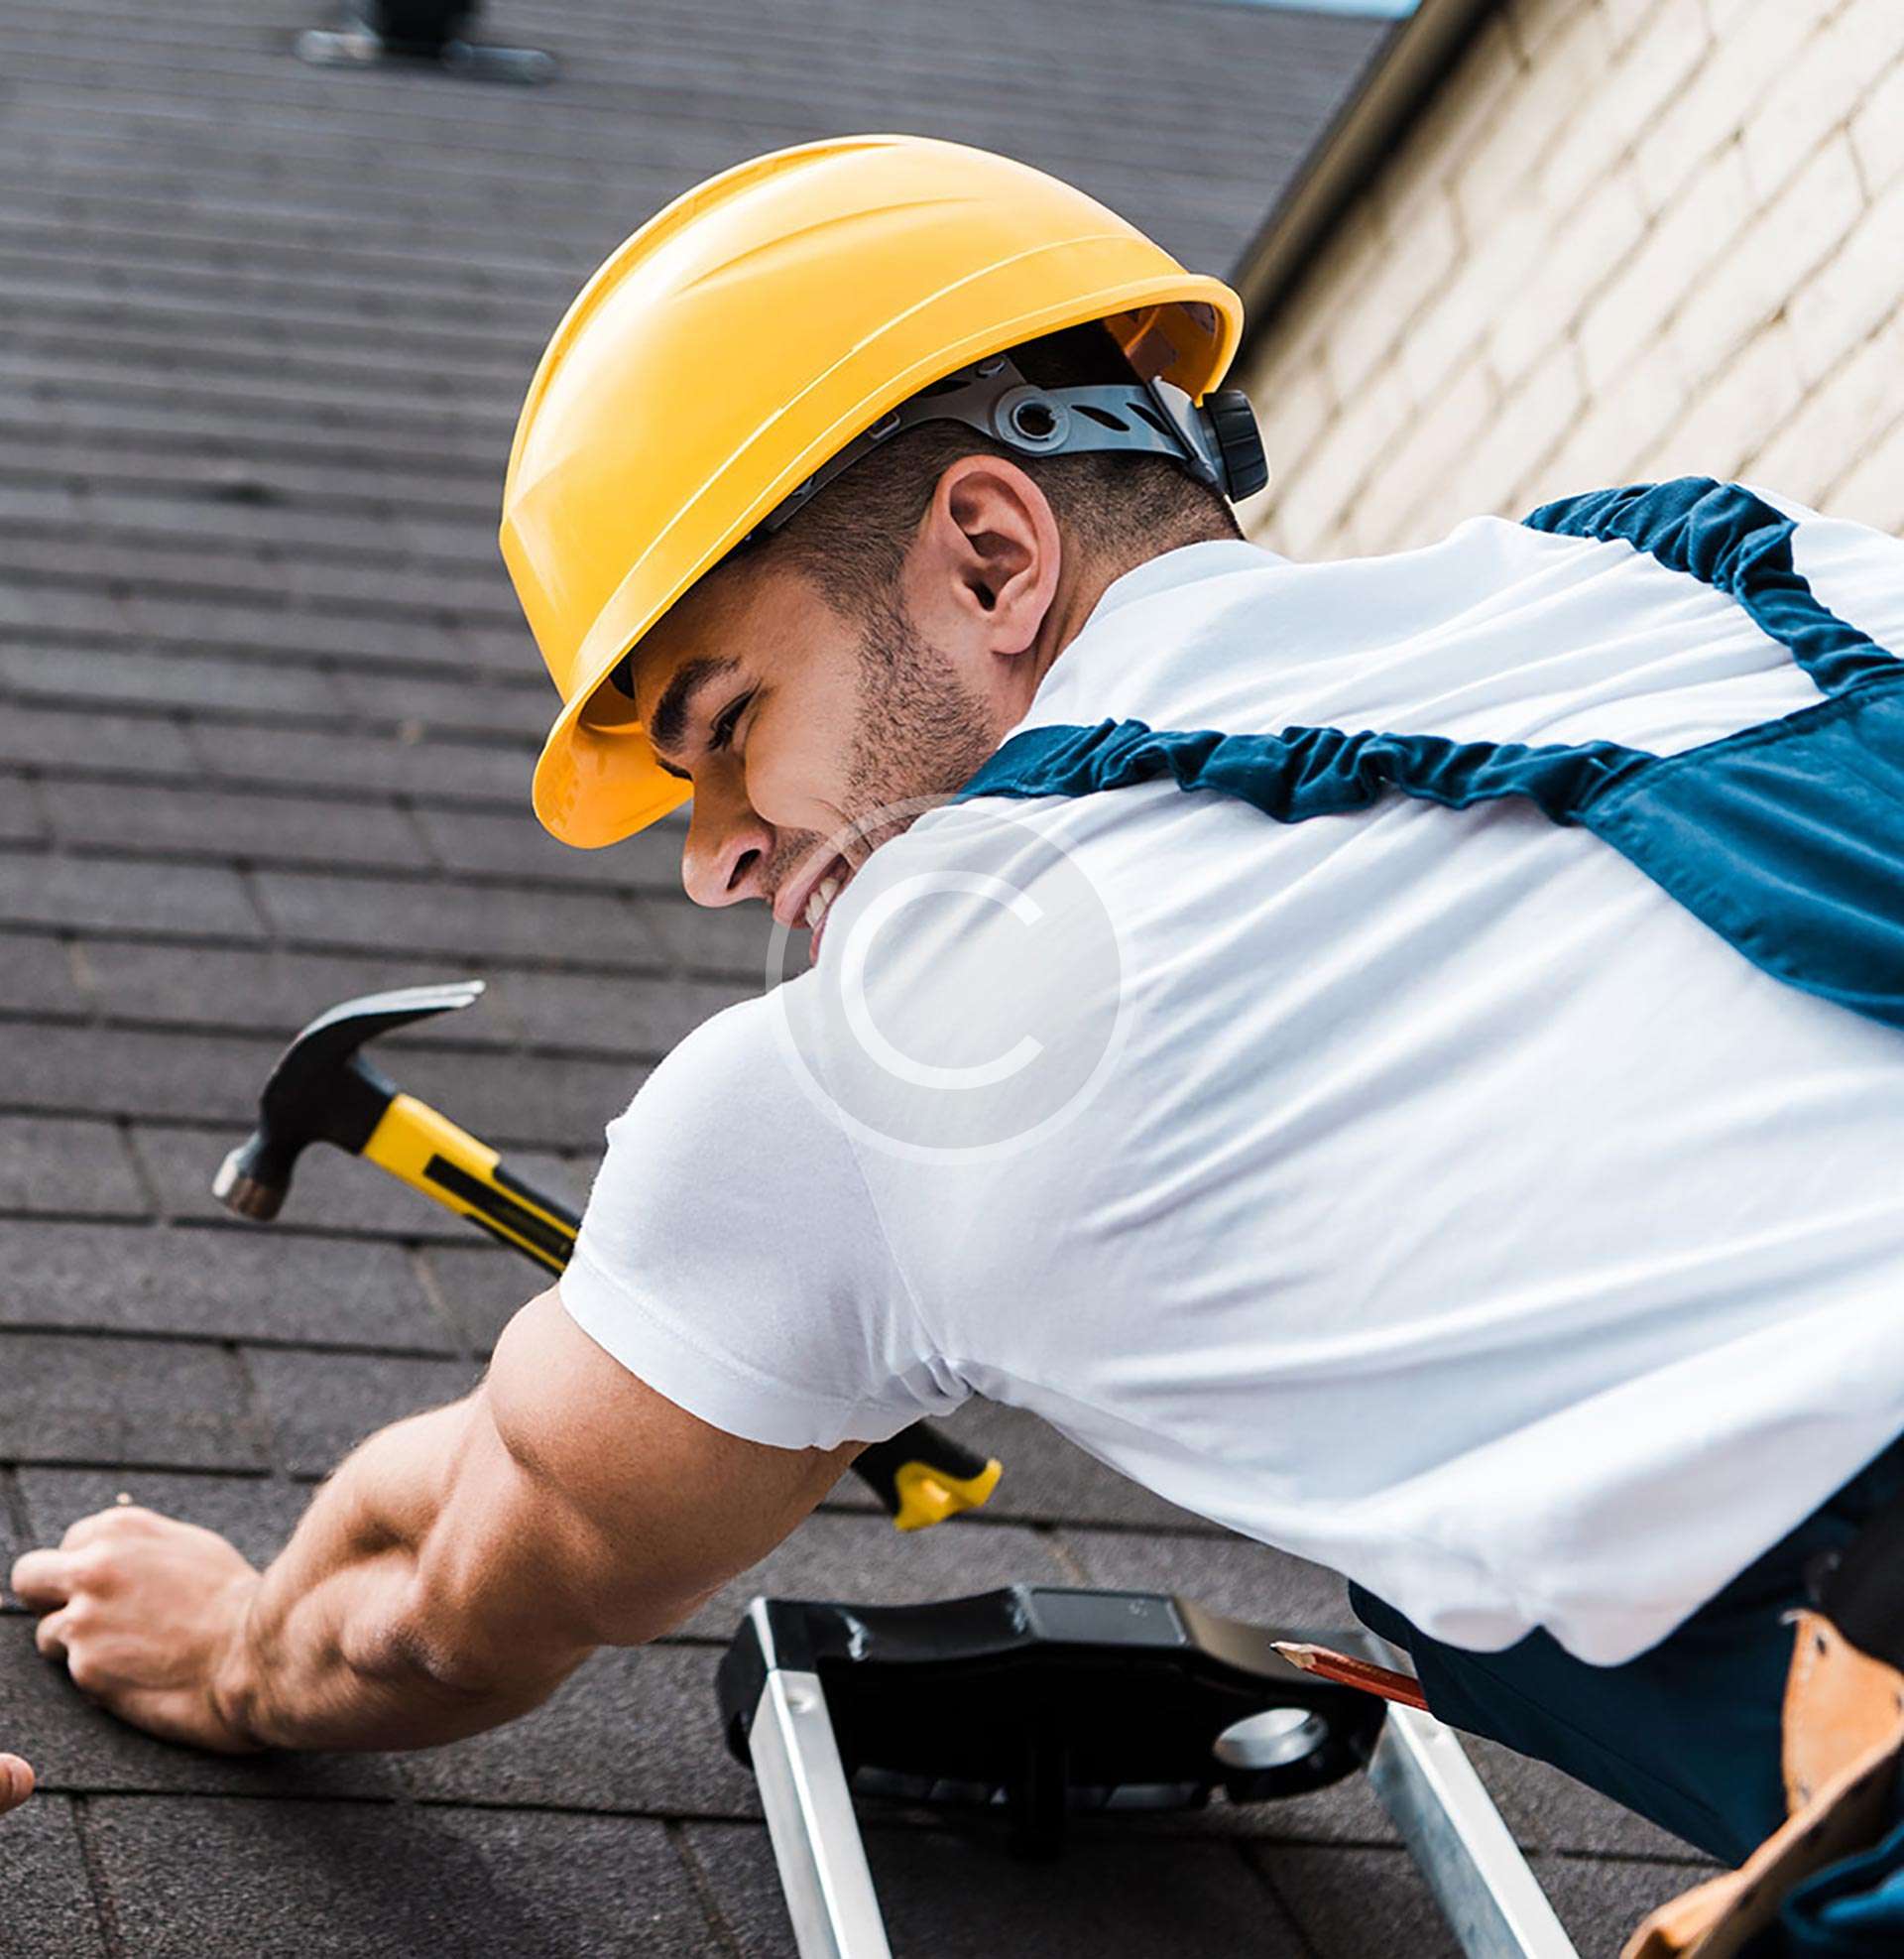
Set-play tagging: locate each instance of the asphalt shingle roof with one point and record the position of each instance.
(267, 711)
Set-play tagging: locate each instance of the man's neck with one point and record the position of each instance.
(1084, 579)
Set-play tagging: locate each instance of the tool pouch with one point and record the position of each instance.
(1842, 1730)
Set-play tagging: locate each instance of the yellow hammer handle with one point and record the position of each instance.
(428, 1150)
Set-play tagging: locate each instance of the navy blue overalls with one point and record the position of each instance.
(1788, 839)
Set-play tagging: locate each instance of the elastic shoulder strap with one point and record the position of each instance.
(1304, 772)
(1725, 537)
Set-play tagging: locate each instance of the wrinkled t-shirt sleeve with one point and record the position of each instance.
(730, 1255)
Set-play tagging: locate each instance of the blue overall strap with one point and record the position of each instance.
(1787, 838)
(1303, 772)
(1725, 537)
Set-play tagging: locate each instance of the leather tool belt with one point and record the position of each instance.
(1842, 1730)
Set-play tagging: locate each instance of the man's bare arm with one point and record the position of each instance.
(449, 1575)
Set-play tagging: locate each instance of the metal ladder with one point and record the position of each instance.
(1002, 1699)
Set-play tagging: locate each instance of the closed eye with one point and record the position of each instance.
(723, 729)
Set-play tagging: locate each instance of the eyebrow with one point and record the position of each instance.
(669, 723)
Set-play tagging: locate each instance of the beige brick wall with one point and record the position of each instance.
(1628, 239)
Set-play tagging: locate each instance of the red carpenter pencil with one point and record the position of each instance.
(1351, 1673)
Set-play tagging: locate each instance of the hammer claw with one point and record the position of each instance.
(344, 1029)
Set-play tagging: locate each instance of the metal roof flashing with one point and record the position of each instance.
(1420, 54)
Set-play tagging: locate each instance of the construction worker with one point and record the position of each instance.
(1400, 1055)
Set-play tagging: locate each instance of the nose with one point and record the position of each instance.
(728, 848)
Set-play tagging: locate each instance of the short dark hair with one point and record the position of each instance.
(852, 537)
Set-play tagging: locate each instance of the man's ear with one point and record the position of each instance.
(989, 555)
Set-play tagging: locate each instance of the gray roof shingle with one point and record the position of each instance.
(266, 716)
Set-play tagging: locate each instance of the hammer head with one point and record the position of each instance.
(322, 1090)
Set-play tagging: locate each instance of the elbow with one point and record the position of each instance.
(418, 1651)
(435, 1652)
(408, 1657)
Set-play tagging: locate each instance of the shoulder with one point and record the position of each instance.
(724, 1102)
(730, 1255)
(725, 1052)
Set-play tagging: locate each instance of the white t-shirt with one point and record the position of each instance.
(1420, 1190)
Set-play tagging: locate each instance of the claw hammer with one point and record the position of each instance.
(323, 1090)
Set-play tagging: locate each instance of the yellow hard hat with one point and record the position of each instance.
(740, 340)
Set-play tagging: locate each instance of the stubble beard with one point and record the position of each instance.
(920, 734)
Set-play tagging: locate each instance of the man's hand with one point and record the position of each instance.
(15, 1782)
(145, 1612)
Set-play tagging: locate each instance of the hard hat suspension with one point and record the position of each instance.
(1218, 444)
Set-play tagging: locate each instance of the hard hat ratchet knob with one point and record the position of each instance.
(1030, 420)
